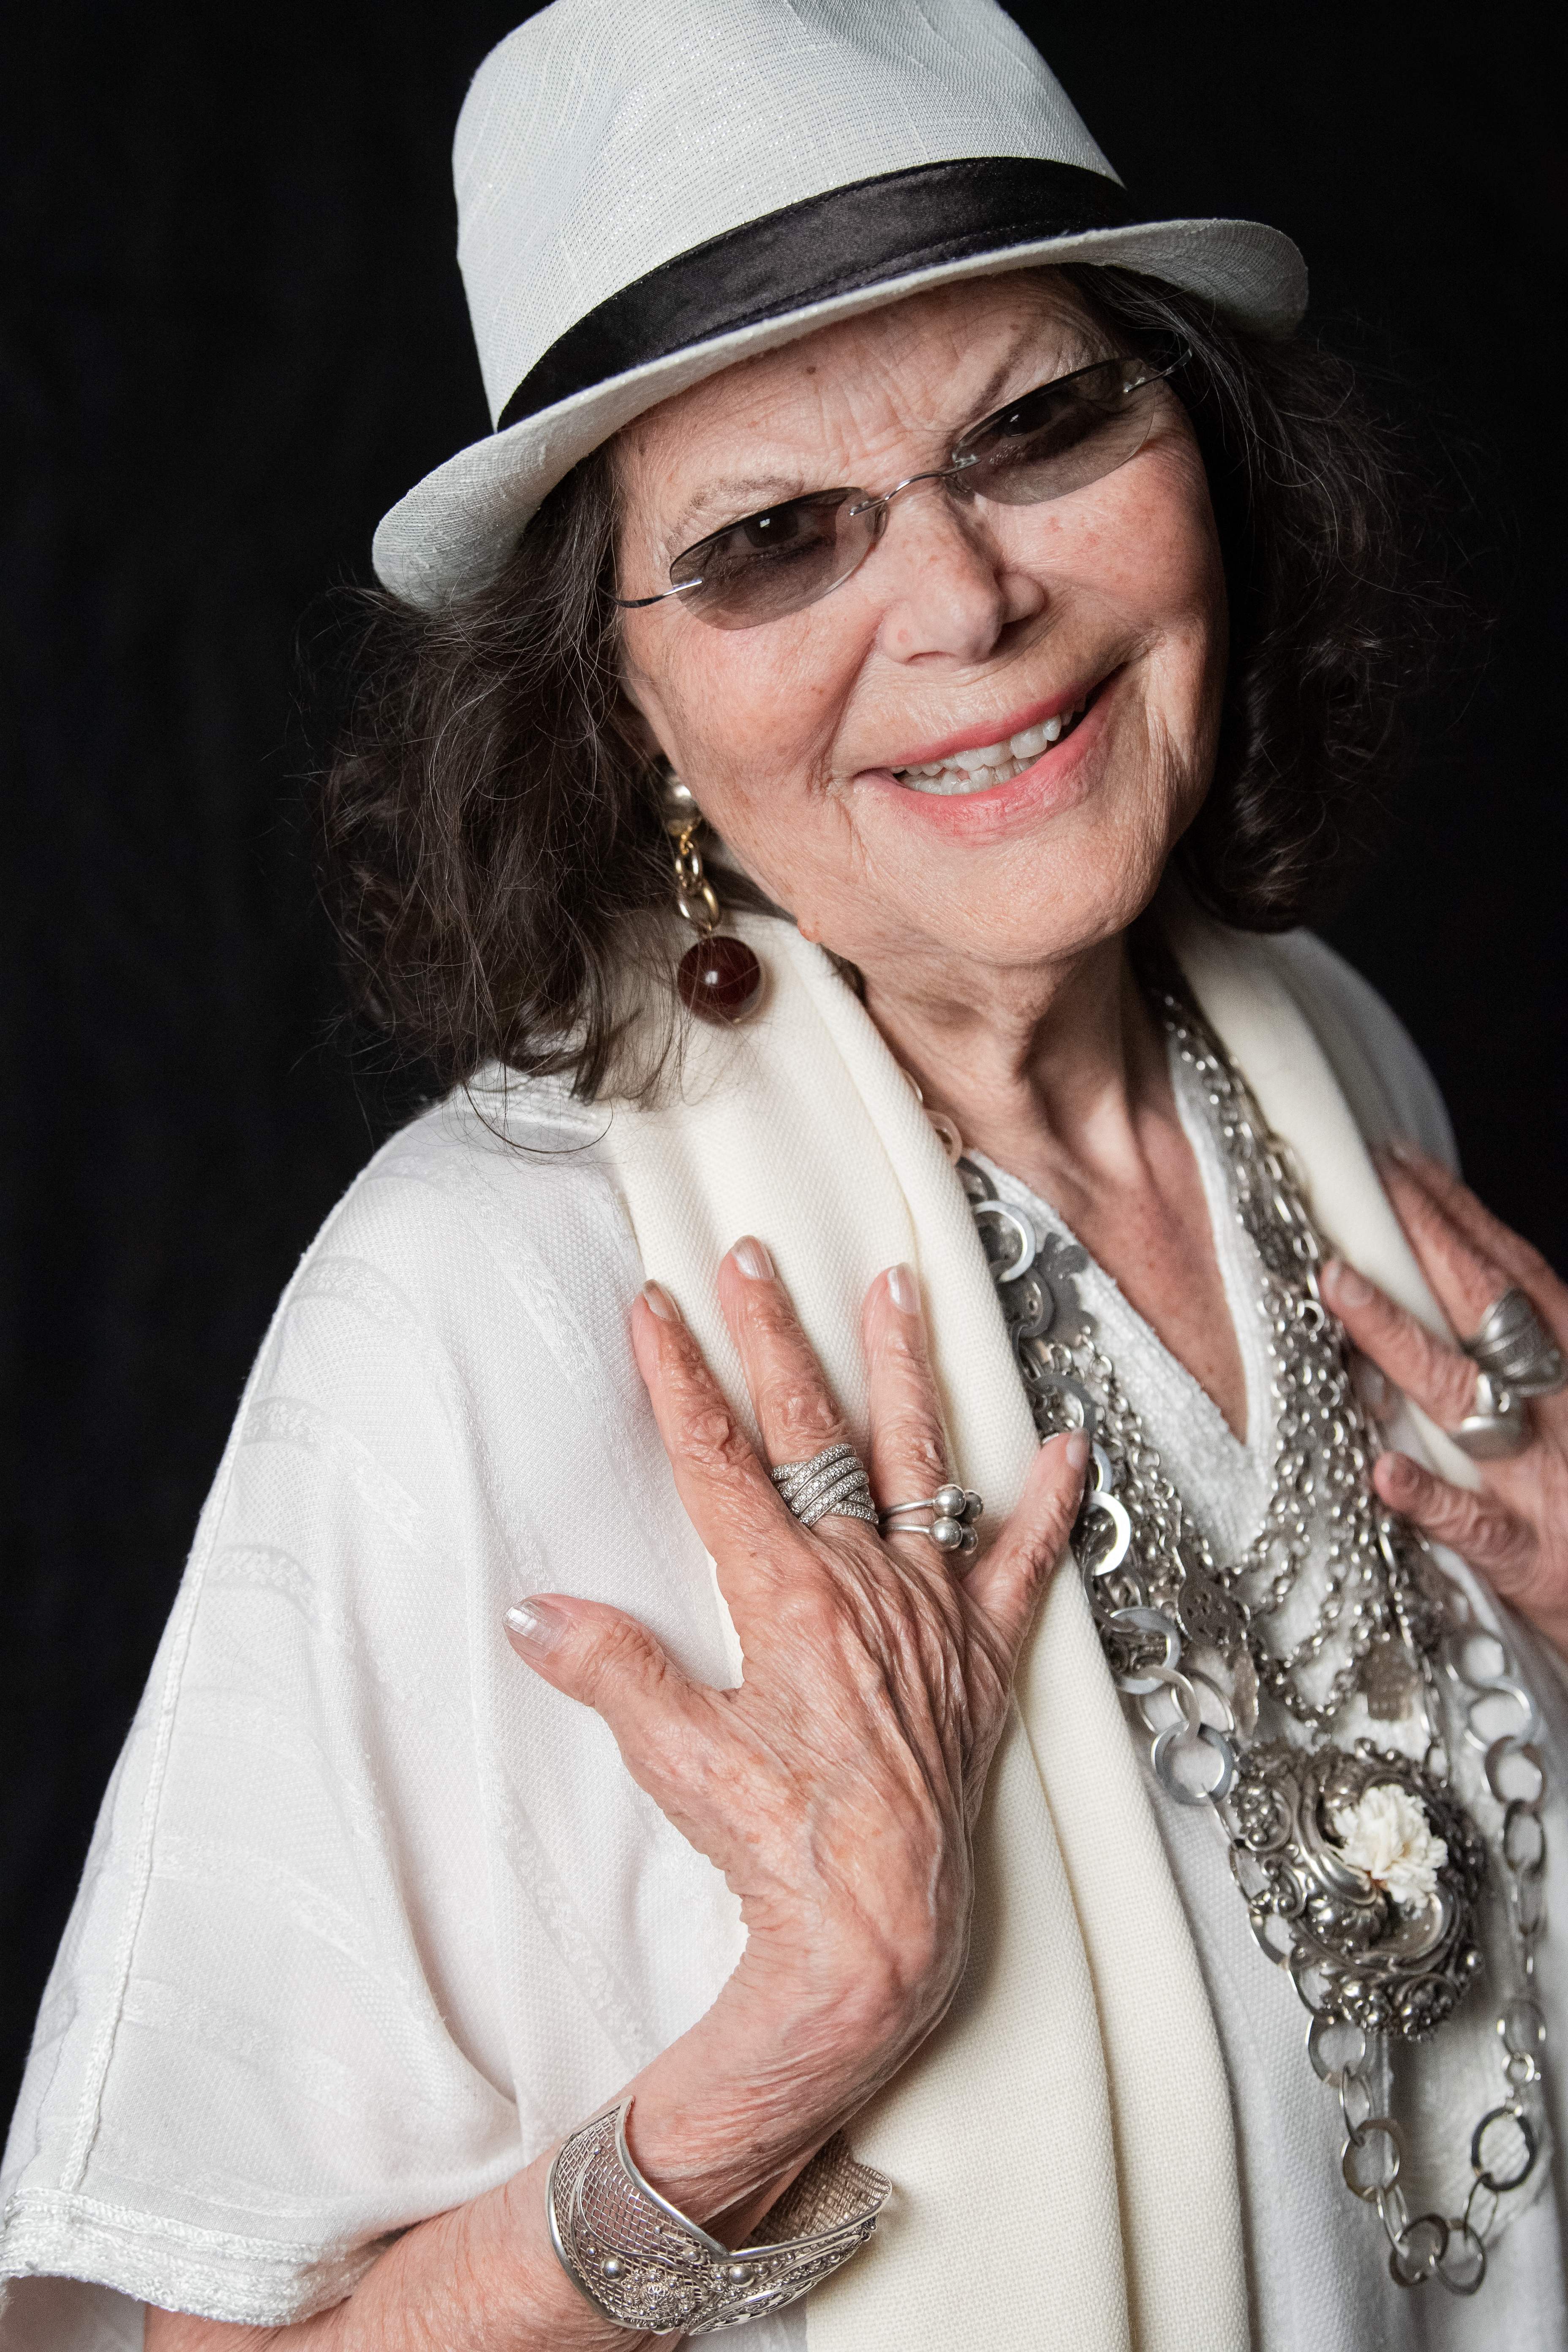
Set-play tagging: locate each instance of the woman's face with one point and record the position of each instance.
(969, 623)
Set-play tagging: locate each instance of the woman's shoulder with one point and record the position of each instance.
(1385, 1078)
(1242, 978)
(476, 1278)
(495, 1197)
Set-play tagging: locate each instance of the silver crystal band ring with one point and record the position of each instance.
(832, 1484)
(1516, 1348)
(1496, 1425)
(950, 1524)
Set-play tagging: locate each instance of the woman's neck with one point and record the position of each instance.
(1056, 1068)
(1060, 1075)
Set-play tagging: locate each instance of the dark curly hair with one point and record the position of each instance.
(489, 826)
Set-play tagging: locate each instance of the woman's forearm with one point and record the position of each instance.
(722, 2121)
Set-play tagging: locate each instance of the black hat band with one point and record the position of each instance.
(874, 230)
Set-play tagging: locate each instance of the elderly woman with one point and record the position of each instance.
(619, 1822)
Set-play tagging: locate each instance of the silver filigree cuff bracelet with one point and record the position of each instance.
(645, 2267)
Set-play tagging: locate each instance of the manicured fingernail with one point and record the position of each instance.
(1343, 1283)
(1371, 1385)
(1402, 1475)
(904, 1290)
(753, 1260)
(1075, 1453)
(658, 1302)
(535, 1625)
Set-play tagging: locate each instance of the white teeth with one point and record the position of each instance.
(949, 780)
(990, 763)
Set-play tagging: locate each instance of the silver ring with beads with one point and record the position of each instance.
(951, 1524)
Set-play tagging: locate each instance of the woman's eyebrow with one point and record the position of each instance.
(1074, 351)
(992, 392)
(733, 499)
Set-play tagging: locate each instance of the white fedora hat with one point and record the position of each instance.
(649, 190)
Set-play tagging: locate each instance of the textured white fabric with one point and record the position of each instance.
(371, 1914)
(598, 142)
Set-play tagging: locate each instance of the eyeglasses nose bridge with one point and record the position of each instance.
(878, 507)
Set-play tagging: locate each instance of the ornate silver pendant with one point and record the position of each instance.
(1378, 1930)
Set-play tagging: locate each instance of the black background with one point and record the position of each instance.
(233, 334)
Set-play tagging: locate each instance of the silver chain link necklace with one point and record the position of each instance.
(1362, 1873)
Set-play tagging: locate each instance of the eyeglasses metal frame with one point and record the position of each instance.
(963, 461)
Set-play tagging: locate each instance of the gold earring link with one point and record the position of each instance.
(694, 901)
(720, 979)
(694, 897)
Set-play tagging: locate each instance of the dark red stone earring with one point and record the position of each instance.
(720, 979)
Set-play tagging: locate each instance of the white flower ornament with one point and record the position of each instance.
(1386, 1833)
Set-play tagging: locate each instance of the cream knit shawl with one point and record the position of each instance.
(1063, 2146)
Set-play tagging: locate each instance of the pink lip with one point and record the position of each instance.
(996, 732)
(1058, 781)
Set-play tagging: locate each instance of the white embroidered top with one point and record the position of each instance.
(371, 1914)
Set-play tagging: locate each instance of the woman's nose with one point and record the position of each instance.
(946, 587)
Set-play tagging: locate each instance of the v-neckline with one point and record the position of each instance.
(1246, 1461)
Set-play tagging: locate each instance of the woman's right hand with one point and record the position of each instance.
(838, 1785)
(836, 1788)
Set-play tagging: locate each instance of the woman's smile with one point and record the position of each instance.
(1059, 778)
(1035, 767)
(974, 769)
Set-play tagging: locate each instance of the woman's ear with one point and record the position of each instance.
(635, 728)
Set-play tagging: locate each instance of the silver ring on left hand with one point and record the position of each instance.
(832, 1484)
(1515, 1346)
(1498, 1424)
(950, 1526)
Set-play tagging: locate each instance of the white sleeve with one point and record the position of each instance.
(1388, 1085)
(264, 2048)
(371, 1914)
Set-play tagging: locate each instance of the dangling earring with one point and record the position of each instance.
(720, 979)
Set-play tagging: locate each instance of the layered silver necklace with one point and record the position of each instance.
(1363, 1873)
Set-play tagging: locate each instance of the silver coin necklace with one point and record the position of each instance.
(1362, 1871)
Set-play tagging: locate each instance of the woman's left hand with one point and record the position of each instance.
(1514, 1527)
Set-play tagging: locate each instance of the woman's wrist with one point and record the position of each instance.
(722, 2123)
(781, 2061)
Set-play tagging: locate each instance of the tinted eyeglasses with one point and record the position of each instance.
(1054, 440)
